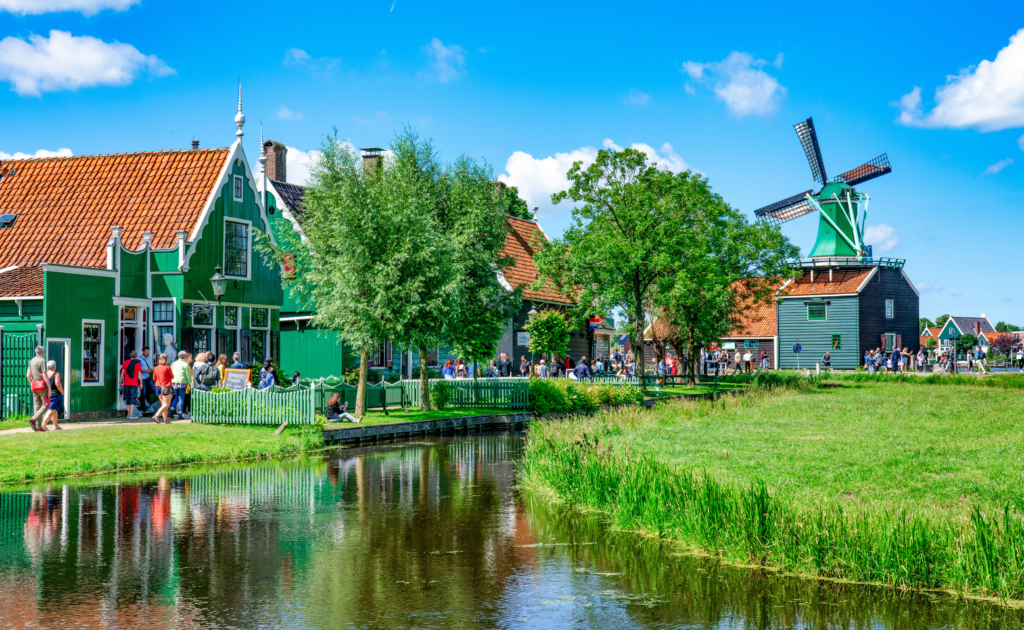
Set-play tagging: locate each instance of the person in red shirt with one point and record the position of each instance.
(162, 376)
(130, 383)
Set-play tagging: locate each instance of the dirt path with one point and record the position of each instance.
(110, 422)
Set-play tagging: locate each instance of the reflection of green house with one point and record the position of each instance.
(105, 254)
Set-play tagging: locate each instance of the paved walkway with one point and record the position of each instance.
(110, 422)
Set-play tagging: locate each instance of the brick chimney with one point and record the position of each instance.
(195, 145)
(372, 160)
(977, 328)
(277, 161)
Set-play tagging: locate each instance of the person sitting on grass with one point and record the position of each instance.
(336, 411)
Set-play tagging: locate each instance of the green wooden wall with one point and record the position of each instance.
(68, 299)
(31, 315)
(314, 353)
(815, 337)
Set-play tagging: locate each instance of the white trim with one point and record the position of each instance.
(6, 269)
(166, 273)
(295, 319)
(504, 282)
(817, 296)
(890, 308)
(234, 153)
(65, 379)
(19, 298)
(211, 328)
(81, 271)
(158, 342)
(248, 249)
(284, 209)
(193, 301)
(237, 184)
(269, 318)
(874, 272)
(136, 302)
(102, 351)
(238, 316)
(907, 278)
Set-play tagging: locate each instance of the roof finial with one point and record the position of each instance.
(263, 151)
(239, 117)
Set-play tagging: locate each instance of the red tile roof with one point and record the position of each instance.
(520, 245)
(843, 281)
(21, 281)
(934, 331)
(756, 320)
(66, 206)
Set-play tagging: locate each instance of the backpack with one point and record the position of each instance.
(209, 375)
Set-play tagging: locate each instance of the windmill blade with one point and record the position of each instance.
(809, 141)
(786, 210)
(868, 170)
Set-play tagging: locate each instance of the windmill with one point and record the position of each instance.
(841, 208)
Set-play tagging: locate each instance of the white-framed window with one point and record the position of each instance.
(164, 319)
(230, 317)
(204, 318)
(890, 341)
(259, 323)
(889, 309)
(92, 352)
(239, 183)
(237, 248)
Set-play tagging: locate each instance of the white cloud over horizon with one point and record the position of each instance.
(286, 114)
(85, 7)
(988, 96)
(448, 63)
(539, 178)
(67, 62)
(41, 153)
(992, 169)
(638, 98)
(299, 58)
(929, 287)
(740, 82)
(881, 237)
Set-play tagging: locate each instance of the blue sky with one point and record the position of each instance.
(529, 88)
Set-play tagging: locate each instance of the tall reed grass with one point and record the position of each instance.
(978, 552)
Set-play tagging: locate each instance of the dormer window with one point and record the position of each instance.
(238, 188)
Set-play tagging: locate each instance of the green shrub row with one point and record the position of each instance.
(562, 395)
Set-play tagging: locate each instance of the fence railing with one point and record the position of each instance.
(378, 396)
(500, 393)
(251, 406)
(16, 349)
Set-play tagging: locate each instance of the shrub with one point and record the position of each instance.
(565, 395)
(546, 397)
(441, 394)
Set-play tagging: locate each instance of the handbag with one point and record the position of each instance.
(38, 385)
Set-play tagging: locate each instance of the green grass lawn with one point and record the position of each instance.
(902, 484)
(34, 456)
(415, 415)
(699, 388)
(14, 422)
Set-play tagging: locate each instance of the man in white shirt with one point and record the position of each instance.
(145, 379)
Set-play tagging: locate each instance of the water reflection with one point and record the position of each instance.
(412, 535)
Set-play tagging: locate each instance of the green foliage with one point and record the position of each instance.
(924, 322)
(941, 320)
(1004, 327)
(965, 343)
(562, 395)
(546, 397)
(931, 343)
(998, 381)
(549, 333)
(512, 204)
(441, 394)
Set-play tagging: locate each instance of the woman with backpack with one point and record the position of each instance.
(205, 373)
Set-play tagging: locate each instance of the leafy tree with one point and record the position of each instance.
(549, 333)
(1004, 327)
(924, 323)
(931, 342)
(1003, 343)
(512, 204)
(941, 320)
(370, 252)
(965, 343)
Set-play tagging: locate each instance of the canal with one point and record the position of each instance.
(422, 534)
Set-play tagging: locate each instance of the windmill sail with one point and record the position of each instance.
(869, 170)
(809, 141)
(786, 210)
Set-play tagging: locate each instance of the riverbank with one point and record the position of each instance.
(871, 482)
(35, 457)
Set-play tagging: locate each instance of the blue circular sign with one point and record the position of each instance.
(796, 348)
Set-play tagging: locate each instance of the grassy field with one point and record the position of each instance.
(34, 456)
(916, 486)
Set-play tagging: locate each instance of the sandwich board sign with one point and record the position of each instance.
(236, 380)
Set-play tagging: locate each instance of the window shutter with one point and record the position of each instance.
(883, 343)
(246, 349)
(899, 341)
(221, 343)
(188, 340)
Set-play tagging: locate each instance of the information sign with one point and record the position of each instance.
(236, 379)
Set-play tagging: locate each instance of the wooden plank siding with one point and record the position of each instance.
(889, 284)
(766, 344)
(842, 318)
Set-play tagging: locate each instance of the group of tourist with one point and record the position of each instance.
(623, 366)
(897, 360)
(719, 361)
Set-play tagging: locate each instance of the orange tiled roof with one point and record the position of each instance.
(519, 245)
(994, 336)
(21, 281)
(66, 206)
(934, 331)
(843, 281)
(756, 320)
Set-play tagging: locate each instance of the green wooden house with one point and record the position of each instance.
(104, 254)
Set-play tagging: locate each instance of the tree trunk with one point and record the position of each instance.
(424, 379)
(476, 390)
(691, 350)
(364, 372)
(638, 348)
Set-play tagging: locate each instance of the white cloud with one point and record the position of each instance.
(298, 164)
(740, 82)
(67, 62)
(286, 114)
(881, 237)
(1020, 143)
(987, 97)
(449, 62)
(689, 89)
(41, 153)
(539, 178)
(638, 98)
(929, 287)
(298, 58)
(85, 7)
(779, 58)
(998, 166)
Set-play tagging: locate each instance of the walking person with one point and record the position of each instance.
(130, 384)
(56, 395)
(236, 361)
(181, 376)
(1020, 358)
(748, 358)
(582, 370)
(205, 373)
(524, 367)
(268, 375)
(826, 361)
(492, 369)
(869, 364)
(739, 362)
(36, 376)
(504, 365)
(765, 363)
(542, 369)
(448, 370)
(162, 380)
(189, 361)
(145, 380)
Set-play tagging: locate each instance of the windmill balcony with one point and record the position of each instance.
(849, 262)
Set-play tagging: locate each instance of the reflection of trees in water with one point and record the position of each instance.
(709, 594)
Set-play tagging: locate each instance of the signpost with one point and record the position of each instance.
(236, 380)
(796, 351)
